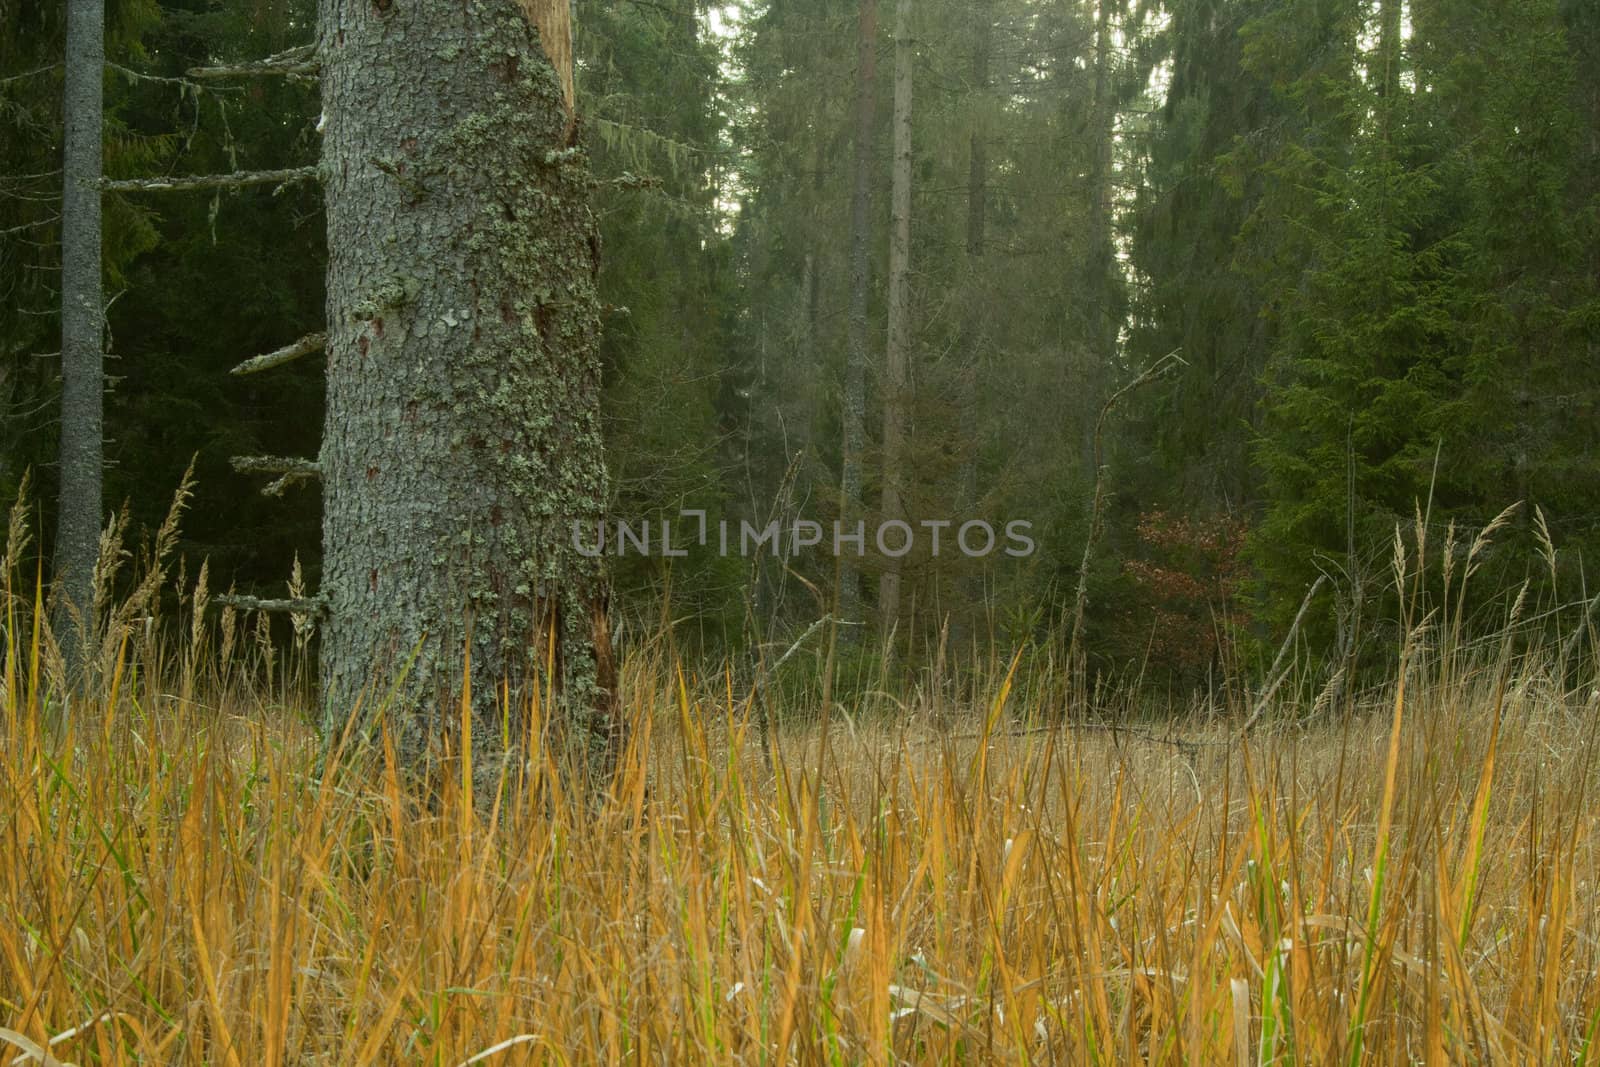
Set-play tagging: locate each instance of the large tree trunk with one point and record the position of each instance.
(854, 417)
(462, 437)
(82, 378)
(899, 346)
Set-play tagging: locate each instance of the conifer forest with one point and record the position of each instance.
(800, 531)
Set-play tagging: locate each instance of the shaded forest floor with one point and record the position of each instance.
(1415, 883)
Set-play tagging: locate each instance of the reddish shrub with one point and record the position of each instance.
(1188, 575)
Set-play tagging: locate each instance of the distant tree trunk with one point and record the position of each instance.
(978, 146)
(1389, 32)
(82, 336)
(1101, 262)
(462, 436)
(975, 315)
(1104, 118)
(899, 346)
(1583, 38)
(855, 372)
(806, 357)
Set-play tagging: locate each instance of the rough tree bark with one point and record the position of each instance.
(854, 417)
(82, 316)
(896, 365)
(462, 437)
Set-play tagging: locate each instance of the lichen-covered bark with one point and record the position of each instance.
(82, 374)
(462, 434)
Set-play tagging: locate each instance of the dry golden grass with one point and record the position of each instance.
(182, 885)
(189, 883)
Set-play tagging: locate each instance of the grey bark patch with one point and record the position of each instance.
(82, 332)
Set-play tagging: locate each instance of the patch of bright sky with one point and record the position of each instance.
(722, 20)
(1367, 41)
(723, 24)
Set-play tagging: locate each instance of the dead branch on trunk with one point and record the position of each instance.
(305, 346)
(190, 183)
(292, 470)
(299, 62)
(299, 606)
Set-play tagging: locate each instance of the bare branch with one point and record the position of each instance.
(278, 486)
(291, 468)
(140, 76)
(311, 342)
(276, 465)
(1273, 673)
(1081, 600)
(299, 62)
(303, 606)
(35, 224)
(30, 73)
(628, 180)
(212, 181)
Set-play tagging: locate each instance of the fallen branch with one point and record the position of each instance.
(1189, 747)
(237, 180)
(311, 342)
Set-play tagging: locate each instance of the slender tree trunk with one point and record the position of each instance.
(1101, 261)
(82, 335)
(978, 145)
(855, 371)
(974, 318)
(806, 358)
(1389, 32)
(462, 438)
(1104, 117)
(1583, 37)
(899, 346)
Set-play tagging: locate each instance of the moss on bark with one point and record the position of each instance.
(462, 435)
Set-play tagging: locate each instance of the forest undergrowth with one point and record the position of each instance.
(193, 876)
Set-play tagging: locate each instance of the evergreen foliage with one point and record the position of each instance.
(1370, 230)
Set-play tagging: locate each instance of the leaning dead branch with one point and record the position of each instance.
(1081, 599)
(299, 62)
(291, 469)
(305, 346)
(1274, 674)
